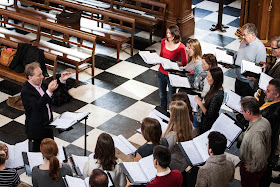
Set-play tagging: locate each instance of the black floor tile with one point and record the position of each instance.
(72, 149)
(71, 106)
(217, 39)
(194, 2)
(235, 23)
(148, 77)
(55, 33)
(120, 125)
(204, 24)
(19, 31)
(201, 13)
(107, 80)
(231, 11)
(104, 62)
(9, 87)
(226, 2)
(77, 131)
(12, 133)
(9, 112)
(153, 98)
(114, 102)
(141, 43)
(137, 59)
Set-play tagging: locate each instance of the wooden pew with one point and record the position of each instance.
(90, 15)
(20, 77)
(74, 58)
(131, 8)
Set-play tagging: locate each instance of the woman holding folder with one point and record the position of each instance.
(51, 172)
(210, 106)
(172, 49)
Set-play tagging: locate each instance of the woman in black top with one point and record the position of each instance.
(8, 177)
(213, 100)
(151, 131)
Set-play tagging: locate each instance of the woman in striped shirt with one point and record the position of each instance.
(8, 177)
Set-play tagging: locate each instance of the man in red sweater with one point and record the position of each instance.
(165, 177)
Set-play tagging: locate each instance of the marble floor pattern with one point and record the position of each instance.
(122, 94)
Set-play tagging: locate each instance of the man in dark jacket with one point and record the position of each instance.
(36, 98)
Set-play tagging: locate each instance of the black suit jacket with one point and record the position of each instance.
(37, 118)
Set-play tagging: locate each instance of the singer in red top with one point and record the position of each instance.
(171, 48)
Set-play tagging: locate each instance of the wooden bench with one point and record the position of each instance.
(91, 15)
(78, 60)
(147, 13)
(6, 72)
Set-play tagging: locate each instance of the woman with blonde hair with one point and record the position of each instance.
(179, 130)
(194, 53)
(51, 172)
(105, 159)
(8, 177)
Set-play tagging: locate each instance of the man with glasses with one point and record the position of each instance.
(253, 50)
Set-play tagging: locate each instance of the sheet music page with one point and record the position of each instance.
(73, 115)
(135, 172)
(250, 66)
(150, 58)
(264, 80)
(178, 81)
(19, 148)
(226, 126)
(233, 101)
(192, 152)
(168, 65)
(80, 161)
(127, 143)
(61, 155)
(147, 165)
(35, 159)
(222, 56)
(201, 144)
(74, 181)
(144, 55)
(193, 103)
(62, 122)
(10, 163)
(159, 114)
(123, 145)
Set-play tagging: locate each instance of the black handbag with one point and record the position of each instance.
(71, 18)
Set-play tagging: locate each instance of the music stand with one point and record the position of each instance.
(219, 25)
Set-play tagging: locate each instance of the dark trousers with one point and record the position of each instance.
(163, 81)
(243, 89)
(34, 145)
(250, 179)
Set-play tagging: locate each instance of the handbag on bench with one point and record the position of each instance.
(7, 55)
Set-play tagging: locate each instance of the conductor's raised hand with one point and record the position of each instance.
(52, 86)
(65, 75)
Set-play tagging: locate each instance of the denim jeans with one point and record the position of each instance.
(163, 81)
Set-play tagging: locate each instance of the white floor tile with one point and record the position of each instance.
(235, 4)
(225, 19)
(135, 89)
(87, 93)
(208, 5)
(20, 119)
(3, 97)
(233, 45)
(138, 111)
(137, 138)
(4, 120)
(127, 69)
(97, 115)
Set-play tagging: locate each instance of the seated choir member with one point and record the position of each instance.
(98, 178)
(217, 171)
(209, 108)
(105, 159)
(8, 177)
(165, 176)
(151, 131)
(179, 130)
(51, 172)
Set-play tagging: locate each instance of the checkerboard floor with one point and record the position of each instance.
(121, 94)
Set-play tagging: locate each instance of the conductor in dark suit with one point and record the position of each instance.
(36, 98)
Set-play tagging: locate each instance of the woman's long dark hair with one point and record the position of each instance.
(218, 79)
(105, 152)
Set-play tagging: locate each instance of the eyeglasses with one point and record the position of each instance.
(274, 48)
